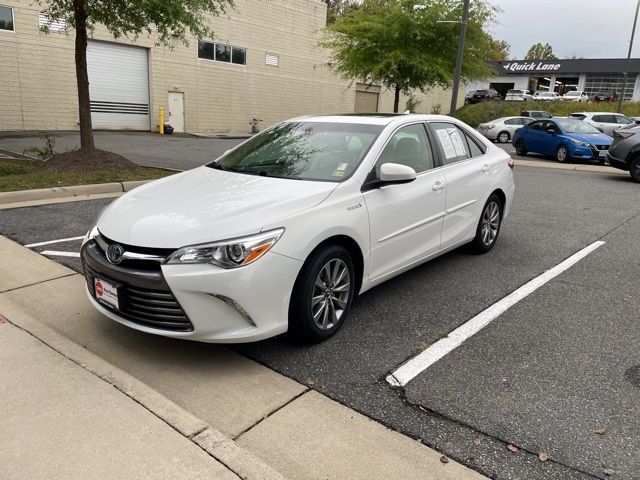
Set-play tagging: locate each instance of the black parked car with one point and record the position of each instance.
(484, 95)
(605, 96)
(624, 152)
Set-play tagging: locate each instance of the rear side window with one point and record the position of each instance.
(454, 144)
(604, 118)
(621, 119)
(512, 121)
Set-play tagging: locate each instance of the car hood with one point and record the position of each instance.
(600, 138)
(204, 205)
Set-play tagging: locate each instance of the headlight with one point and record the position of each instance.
(232, 253)
(580, 143)
(91, 234)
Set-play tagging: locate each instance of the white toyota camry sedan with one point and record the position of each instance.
(282, 232)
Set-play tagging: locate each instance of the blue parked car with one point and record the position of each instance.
(562, 138)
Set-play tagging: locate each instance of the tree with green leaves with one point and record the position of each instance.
(405, 45)
(337, 8)
(499, 50)
(167, 20)
(540, 51)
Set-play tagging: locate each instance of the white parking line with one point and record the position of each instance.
(54, 253)
(413, 367)
(39, 244)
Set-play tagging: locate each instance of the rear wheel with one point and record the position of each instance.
(521, 150)
(634, 169)
(489, 225)
(562, 154)
(322, 296)
(504, 137)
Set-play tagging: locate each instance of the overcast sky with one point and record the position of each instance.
(586, 28)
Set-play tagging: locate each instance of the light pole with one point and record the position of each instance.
(626, 70)
(458, 71)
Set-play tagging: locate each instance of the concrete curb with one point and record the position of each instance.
(60, 192)
(223, 449)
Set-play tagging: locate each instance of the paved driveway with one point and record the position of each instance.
(543, 376)
(170, 151)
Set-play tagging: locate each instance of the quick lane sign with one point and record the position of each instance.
(531, 66)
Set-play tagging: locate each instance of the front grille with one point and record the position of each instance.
(143, 295)
(602, 147)
(152, 308)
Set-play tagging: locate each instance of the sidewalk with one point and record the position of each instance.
(203, 410)
(60, 421)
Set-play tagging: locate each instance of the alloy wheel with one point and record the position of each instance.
(490, 223)
(330, 294)
(562, 154)
(503, 137)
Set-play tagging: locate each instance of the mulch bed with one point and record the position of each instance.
(80, 161)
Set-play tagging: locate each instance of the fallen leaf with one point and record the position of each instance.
(543, 456)
(423, 346)
(477, 440)
(512, 448)
(608, 472)
(444, 459)
(311, 381)
(600, 431)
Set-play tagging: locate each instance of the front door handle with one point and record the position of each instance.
(486, 168)
(438, 186)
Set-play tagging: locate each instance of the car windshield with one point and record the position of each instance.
(577, 126)
(303, 150)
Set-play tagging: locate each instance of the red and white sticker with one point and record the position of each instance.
(106, 292)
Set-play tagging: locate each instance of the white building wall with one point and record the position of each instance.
(520, 82)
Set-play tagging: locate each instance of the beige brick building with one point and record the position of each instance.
(264, 62)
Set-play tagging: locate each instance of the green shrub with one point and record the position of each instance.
(474, 115)
(15, 168)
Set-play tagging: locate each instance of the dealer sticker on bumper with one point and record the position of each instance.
(106, 292)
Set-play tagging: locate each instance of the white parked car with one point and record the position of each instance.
(282, 232)
(502, 129)
(542, 96)
(606, 122)
(576, 96)
(518, 96)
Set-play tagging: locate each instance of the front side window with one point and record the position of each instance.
(451, 142)
(621, 119)
(6, 18)
(408, 146)
(536, 125)
(303, 150)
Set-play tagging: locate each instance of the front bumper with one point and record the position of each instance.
(587, 153)
(617, 162)
(220, 305)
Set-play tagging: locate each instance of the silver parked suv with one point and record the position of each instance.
(624, 152)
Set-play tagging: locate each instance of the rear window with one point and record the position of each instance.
(578, 115)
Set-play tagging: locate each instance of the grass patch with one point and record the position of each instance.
(474, 115)
(16, 175)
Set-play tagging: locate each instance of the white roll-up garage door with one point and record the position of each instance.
(119, 86)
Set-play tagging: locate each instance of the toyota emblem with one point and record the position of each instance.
(115, 253)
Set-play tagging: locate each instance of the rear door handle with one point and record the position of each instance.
(486, 168)
(438, 186)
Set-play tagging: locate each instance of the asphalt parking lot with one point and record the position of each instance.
(544, 376)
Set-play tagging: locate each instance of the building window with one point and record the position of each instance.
(610, 83)
(6, 18)
(52, 25)
(222, 53)
(272, 59)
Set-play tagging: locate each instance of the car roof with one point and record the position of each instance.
(371, 118)
(596, 113)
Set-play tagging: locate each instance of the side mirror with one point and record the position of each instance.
(392, 173)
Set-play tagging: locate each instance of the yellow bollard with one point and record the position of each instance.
(161, 117)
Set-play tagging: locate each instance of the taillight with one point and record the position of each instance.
(511, 163)
(623, 134)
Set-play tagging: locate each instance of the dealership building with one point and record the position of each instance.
(590, 75)
(264, 62)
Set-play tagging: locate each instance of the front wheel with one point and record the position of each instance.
(521, 150)
(489, 225)
(634, 169)
(322, 295)
(562, 154)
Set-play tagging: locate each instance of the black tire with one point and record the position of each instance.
(562, 154)
(302, 326)
(521, 149)
(634, 169)
(480, 244)
(503, 137)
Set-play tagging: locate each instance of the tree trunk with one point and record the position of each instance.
(396, 101)
(82, 76)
